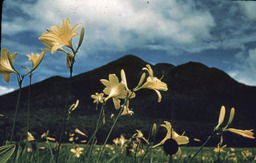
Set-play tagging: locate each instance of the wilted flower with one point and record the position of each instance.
(6, 64)
(139, 136)
(60, 35)
(30, 137)
(153, 83)
(172, 140)
(98, 97)
(114, 89)
(77, 151)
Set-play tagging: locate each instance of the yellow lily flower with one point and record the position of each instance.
(52, 46)
(127, 110)
(62, 35)
(115, 141)
(36, 59)
(5, 65)
(174, 137)
(244, 133)
(44, 135)
(114, 90)
(50, 138)
(80, 132)
(98, 97)
(120, 141)
(123, 77)
(77, 151)
(29, 149)
(30, 137)
(221, 117)
(219, 148)
(73, 106)
(154, 83)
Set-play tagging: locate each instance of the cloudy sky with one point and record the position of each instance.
(217, 33)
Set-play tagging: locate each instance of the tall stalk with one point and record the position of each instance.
(20, 79)
(202, 146)
(29, 94)
(112, 127)
(91, 140)
(64, 125)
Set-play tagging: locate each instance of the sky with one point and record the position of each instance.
(217, 33)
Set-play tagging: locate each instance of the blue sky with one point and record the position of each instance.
(217, 33)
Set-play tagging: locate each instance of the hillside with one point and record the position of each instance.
(193, 100)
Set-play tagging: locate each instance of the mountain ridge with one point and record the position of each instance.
(195, 94)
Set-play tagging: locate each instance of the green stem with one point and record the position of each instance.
(29, 94)
(95, 131)
(170, 159)
(17, 107)
(209, 137)
(112, 127)
(149, 148)
(65, 112)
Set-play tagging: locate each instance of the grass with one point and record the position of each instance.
(40, 152)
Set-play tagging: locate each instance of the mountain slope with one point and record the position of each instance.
(193, 100)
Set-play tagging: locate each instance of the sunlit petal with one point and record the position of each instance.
(244, 133)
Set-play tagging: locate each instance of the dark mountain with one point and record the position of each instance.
(192, 102)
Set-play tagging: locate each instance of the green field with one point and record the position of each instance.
(33, 152)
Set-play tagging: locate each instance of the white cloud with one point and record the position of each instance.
(119, 25)
(246, 69)
(168, 26)
(4, 90)
(248, 8)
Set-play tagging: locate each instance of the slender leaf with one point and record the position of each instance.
(6, 152)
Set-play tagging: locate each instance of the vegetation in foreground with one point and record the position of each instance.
(42, 152)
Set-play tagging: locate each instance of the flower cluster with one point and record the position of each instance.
(54, 39)
(132, 144)
(57, 37)
(118, 90)
(7, 66)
